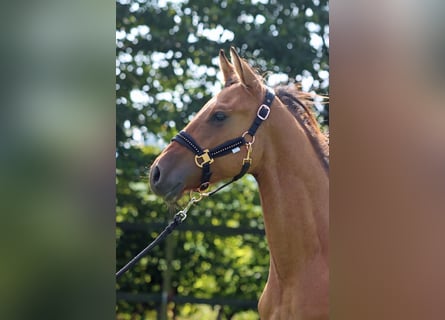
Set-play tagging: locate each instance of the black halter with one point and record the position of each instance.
(205, 157)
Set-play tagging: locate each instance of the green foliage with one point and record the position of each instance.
(166, 69)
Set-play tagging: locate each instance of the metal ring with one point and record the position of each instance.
(251, 141)
(194, 198)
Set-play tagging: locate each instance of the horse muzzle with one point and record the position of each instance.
(173, 172)
(165, 185)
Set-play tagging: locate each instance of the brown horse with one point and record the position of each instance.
(279, 143)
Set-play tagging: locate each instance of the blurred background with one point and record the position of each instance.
(216, 265)
(57, 167)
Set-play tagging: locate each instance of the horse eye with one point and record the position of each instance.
(219, 116)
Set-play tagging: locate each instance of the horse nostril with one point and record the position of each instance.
(156, 175)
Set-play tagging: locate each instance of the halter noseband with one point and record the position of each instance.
(205, 157)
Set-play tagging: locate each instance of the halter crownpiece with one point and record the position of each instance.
(205, 157)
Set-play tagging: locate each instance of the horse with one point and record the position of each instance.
(286, 152)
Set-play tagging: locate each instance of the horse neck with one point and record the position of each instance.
(294, 190)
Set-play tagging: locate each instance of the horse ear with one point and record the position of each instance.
(244, 71)
(226, 68)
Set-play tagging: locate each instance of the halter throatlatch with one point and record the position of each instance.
(205, 157)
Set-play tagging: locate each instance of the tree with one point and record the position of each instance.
(166, 68)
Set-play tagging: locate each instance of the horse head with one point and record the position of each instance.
(225, 118)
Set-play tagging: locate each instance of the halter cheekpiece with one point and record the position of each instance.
(205, 157)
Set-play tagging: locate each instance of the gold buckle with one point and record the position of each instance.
(203, 159)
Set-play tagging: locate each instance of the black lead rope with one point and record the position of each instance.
(203, 159)
(177, 220)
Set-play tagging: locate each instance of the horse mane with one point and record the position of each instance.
(300, 106)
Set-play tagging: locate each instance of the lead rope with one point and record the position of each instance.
(177, 220)
(180, 216)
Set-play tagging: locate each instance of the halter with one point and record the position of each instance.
(205, 157)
